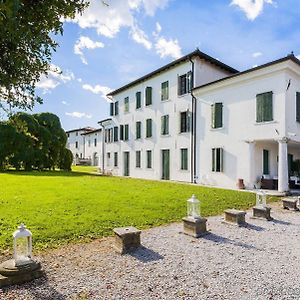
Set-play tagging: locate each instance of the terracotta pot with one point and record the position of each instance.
(240, 184)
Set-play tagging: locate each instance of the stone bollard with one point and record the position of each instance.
(127, 239)
(260, 212)
(195, 227)
(235, 217)
(290, 203)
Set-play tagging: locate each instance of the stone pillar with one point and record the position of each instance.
(251, 164)
(283, 180)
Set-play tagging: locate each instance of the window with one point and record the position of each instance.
(149, 159)
(137, 159)
(165, 91)
(108, 159)
(165, 125)
(121, 132)
(138, 130)
(217, 115)
(185, 121)
(126, 133)
(76, 145)
(111, 111)
(298, 107)
(110, 135)
(95, 142)
(184, 159)
(149, 128)
(89, 143)
(68, 134)
(116, 135)
(217, 160)
(116, 108)
(138, 97)
(266, 170)
(76, 134)
(115, 159)
(148, 95)
(185, 83)
(126, 104)
(264, 107)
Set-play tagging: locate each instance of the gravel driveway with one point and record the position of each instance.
(260, 261)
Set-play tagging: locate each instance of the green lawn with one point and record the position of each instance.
(59, 207)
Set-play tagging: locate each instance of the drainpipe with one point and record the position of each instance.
(193, 129)
(103, 146)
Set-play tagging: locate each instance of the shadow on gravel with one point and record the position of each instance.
(223, 240)
(280, 222)
(253, 227)
(146, 255)
(39, 289)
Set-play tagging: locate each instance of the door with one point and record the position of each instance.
(165, 164)
(126, 164)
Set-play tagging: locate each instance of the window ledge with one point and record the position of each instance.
(217, 129)
(184, 171)
(265, 123)
(184, 133)
(165, 100)
(165, 135)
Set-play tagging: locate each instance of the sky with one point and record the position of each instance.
(117, 41)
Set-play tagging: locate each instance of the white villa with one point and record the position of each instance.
(199, 120)
(86, 145)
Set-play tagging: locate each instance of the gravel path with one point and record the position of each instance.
(260, 261)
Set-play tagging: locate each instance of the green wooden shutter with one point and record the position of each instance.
(259, 108)
(298, 107)
(138, 100)
(167, 125)
(126, 138)
(148, 95)
(218, 115)
(268, 106)
(116, 134)
(148, 128)
(213, 160)
(266, 162)
(121, 132)
(138, 130)
(116, 108)
(111, 112)
(213, 118)
(165, 90)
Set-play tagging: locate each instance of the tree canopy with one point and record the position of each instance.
(27, 32)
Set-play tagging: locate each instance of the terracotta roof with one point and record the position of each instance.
(81, 129)
(288, 57)
(92, 131)
(197, 53)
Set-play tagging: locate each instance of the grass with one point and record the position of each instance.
(61, 207)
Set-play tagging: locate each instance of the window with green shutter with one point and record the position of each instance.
(111, 111)
(138, 98)
(148, 95)
(149, 159)
(149, 128)
(266, 170)
(217, 159)
(116, 108)
(126, 133)
(165, 90)
(217, 115)
(116, 134)
(121, 132)
(298, 107)
(115, 159)
(185, 122)
(184, 159)
(264, 107)
(138, 159)
(138, 130)
(126, 104)
(165, 125)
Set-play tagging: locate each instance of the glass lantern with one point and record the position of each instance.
(193, 207)
(261, 199)
(22, 246)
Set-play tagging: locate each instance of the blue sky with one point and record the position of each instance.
(117, 41)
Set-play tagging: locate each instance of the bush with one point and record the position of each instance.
(66, 159)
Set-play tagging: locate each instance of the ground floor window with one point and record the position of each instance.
(149, 159)
(184, 159)
(266, 168)
(108, 159)
(115, 159)
(217, 160)
(137, 159)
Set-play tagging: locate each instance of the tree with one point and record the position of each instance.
(7, 141)
(27, 31)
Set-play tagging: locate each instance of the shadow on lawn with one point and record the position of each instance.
(223, 240)
(146, 255)
(50, 173)
(39, 289)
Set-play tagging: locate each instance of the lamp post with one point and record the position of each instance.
(193, 224)
(261, 210)
(22, 268)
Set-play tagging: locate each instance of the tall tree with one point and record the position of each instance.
(27, 32)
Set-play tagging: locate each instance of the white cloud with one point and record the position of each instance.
(140, 37)
(85, 42)
(65, 103)
(77, 114)
(97, 89)
(169, 47)
(151, 6)
(157, 30)
(256, 54)
(298, 56)
(252, 8)
(54, 78)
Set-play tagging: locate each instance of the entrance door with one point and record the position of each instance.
(165, 155)
(126, 164)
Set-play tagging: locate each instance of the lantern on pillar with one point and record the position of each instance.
(261, 199)
(193, 207)
(22, 246)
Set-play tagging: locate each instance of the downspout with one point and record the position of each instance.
(103, 146)
(194, 128)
